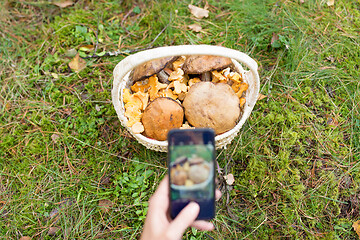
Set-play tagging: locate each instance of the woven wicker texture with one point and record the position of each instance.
(123, 69)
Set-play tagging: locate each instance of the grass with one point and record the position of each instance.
(63, 150)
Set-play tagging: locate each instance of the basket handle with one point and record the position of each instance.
(132, 61)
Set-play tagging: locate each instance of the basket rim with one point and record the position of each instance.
(124, 68)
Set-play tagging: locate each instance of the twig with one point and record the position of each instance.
(163, 30)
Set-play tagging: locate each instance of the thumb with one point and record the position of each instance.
(183, 220)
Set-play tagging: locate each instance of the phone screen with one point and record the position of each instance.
(191, 170)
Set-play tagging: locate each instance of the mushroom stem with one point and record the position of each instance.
(206, 77)
(163, 77)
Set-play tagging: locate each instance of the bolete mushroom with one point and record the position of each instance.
(198, 173)
(203, 64)
(209, 105)
(153, 67)
(160, 116)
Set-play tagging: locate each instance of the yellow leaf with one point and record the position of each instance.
(261, 96)
(330, 2)
(198, 12)
(77, 64)
(86, 48)
(63, 4)
(195, 27)
(356, 227)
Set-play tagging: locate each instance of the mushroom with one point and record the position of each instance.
(196, 160)
(204, 64)
(180, 177)
(198, 173)
(209, 105)
(160, 116)
(153, 67)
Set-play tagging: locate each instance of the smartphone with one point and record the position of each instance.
(191, 163)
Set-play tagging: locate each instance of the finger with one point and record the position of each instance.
(203, 225)
(217, 194)
(183, 220)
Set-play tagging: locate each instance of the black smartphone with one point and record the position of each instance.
(191, 163)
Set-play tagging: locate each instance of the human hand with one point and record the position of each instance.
(159, 225)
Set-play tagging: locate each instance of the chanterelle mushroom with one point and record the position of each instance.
(152, 67)
(203, 64)
(212, 105)
(160, 116)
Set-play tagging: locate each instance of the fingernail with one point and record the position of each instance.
(194, 207)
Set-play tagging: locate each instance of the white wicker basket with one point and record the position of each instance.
(123, 69)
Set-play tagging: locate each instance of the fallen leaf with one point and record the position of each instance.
(53, 230)
(356, 227)
(327, 67)
(71, 52)
(105, 205)
(25, 238)
(87, 48)
(63, 4)
(332, 122)
(195, 27)
(77, 64)
(8, 106)
(229, 179)
(198, 12)
(55, 75)
(330, 2)
(274, 38)
(261, 96)
(55, 137)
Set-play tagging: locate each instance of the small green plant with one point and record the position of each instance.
(131, 189)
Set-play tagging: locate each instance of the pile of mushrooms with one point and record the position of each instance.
(189, 171)
(184, 92)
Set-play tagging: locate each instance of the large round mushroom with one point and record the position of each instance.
(160, 116)
(209, 105)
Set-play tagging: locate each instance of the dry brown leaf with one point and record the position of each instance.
(327, 67)
(53, 230)
(77, 64)
(7, 106)
(330, 2)
(261, 96)
(55, 137)
(274, 38)
(105, 205)
(63, 4)
(229, 179)
(356, 227)
(25, 238)
(195, 27)
(198, 12)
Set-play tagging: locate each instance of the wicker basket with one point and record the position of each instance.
(123, 69)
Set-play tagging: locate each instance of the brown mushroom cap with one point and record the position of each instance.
(209, 105)
(160, 116)
(150, 68)
(204, 63)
